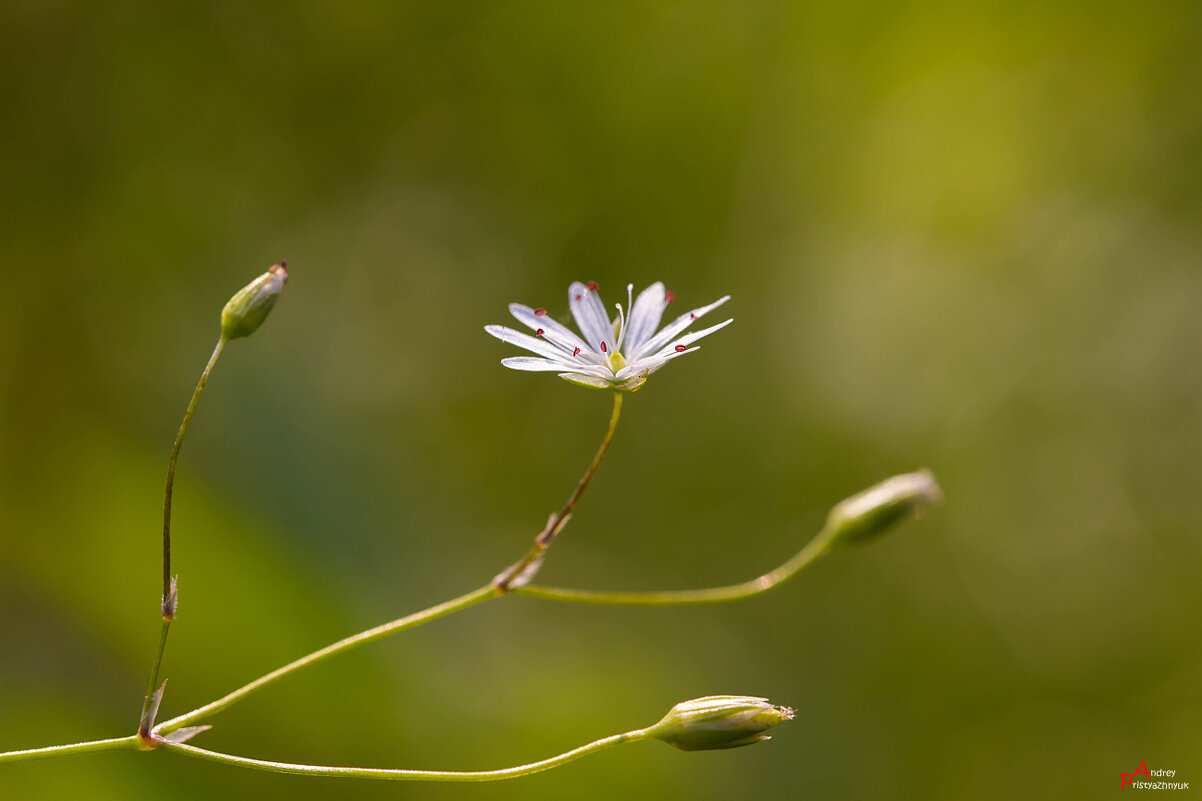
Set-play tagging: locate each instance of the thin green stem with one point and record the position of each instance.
(117, 743)
(179, 441)
(747, 589)
(592, 468)
(362, 638)
(510, 579)
(168, 601)
(145, 722)
(406, 775)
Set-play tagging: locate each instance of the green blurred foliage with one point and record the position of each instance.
(961, 236)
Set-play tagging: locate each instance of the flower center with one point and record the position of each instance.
(616, 362)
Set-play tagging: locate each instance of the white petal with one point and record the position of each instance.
(526, 316)
(689, 339)
(532, 344)
(645, 316)
(556, 357)
(590, 316)
(651, 363)
(585, 380)
(532, 365)
(557, 363)
(675, 327)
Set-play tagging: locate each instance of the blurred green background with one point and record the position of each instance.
(964, 237)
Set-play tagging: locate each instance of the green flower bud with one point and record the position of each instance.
(247, 310)
(719, 721)
(874, 510)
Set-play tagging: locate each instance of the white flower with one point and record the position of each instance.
(617, 354)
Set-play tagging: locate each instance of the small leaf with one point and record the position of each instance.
(152, 708)
(511, 577)
(185, 734)
(531, 570)
(171, 599)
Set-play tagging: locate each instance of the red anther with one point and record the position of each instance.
(603, 349)
(578, 297)
(576, 352)
(539, 332)
(539, 312)
(669, 297)
(592, 285)
(681, 348)
(692, 316)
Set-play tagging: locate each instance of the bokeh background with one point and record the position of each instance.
(965, 237)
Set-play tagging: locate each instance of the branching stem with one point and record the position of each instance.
(513, 576)
(498, 587)
(508, 582)
(362, 638)
(816, 548)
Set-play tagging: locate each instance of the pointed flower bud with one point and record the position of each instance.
(247, 310)
(719, 721)
(874, 510)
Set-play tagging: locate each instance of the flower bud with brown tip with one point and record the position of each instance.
(247, 309)
(719, 721)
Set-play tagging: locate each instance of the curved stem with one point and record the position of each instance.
(179, 441)
(114, 744)
(733, 592)
(168, 601)
(570, 504)
(511, 578)
(406, 775)
(362, 638)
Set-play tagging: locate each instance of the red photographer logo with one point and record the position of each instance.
(1154, 779)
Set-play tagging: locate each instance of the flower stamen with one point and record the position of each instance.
(621, 333)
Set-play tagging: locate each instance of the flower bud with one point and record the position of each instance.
(247, 310)
(874, 510)
(719, 721)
